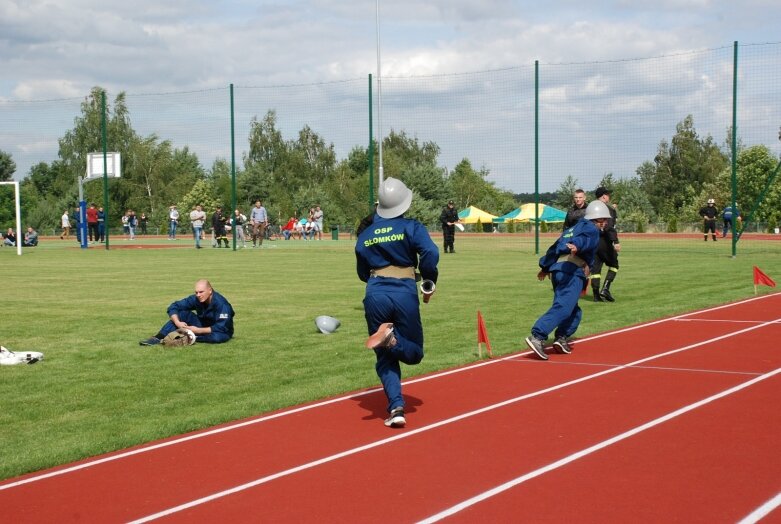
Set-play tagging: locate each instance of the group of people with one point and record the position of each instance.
(609, 245)
(731, 219)
(309, 228)
(95, 217)
(30, 238)
(588, 242)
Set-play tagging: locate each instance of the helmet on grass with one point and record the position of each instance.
(326, 324)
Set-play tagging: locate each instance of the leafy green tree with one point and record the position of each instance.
(7, 166)
(755, 166)
(203, 194)
(564, 194)
(681, 168)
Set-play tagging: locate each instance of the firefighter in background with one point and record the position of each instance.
(607, 253)
(449, 219)
(709, 214)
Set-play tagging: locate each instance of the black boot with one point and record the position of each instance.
(606, 291)
(595, 289)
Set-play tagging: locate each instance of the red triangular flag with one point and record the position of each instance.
(761, 279)
(482, 334)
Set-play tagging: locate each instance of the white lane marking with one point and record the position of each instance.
(587, 451)
(762, 511)
(250, 422)
(408, 434)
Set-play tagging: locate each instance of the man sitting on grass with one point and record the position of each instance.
(206, 314)
(30, 238)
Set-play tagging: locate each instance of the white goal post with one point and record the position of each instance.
(19, 232)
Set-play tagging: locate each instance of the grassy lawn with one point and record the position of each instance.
(97, 390)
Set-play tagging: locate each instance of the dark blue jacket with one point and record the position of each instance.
(399, 242)
(585, 235)
(218, 314)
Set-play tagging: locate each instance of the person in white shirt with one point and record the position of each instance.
(66, 225)
(197, 218)
(173, 221)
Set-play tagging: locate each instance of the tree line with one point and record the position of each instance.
(292, 174)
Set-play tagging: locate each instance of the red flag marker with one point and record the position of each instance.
(761, 279)
(482, 337)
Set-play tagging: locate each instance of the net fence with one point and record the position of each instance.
(536, 131)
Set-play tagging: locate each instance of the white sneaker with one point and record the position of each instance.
(396, 418)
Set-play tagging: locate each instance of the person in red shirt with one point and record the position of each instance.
(92, 224)
(289, 228)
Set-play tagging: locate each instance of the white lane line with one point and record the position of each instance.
(569, 362)
(408, 434)
(587, 451)
(265, 418)
(762, 511)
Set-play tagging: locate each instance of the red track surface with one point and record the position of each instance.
(672, 421)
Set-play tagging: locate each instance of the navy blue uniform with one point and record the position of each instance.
(568, 279)
(398, 242)
(218, 315)
(728, 215)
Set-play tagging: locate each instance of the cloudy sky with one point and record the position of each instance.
(52, 49)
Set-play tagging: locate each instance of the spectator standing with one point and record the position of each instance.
(173, 221)
(30, 237)
(259, 220)
(728, 216)
(76, 219)
(238, 222)
(65, 223)
(125, 226)
(709, 214)
(142, 221)
(449, 218)
(132, 223)
(607, 252)
(318, 217)
(566, 263)
(101, 225)
(92, 223)
(577, 210)
(197, 219)
(387, 256)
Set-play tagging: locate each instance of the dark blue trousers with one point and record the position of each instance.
(565, 314)
(192, 319)
(403, 309)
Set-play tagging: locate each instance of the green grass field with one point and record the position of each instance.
(97, 390)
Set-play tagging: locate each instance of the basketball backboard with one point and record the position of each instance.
(95, 165)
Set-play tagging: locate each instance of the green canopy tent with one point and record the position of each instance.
(525, 213)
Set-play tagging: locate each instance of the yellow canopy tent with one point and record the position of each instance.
(472, 214)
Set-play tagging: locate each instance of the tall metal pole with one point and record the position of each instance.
(734, 146)
(104, 134)
(379, 96)
(371, 148)
(233, 174)
(537, 156)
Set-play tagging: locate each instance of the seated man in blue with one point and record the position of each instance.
(567, 263)
(206, 313)
(387, 253)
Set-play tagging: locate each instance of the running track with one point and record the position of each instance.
(677, 420)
